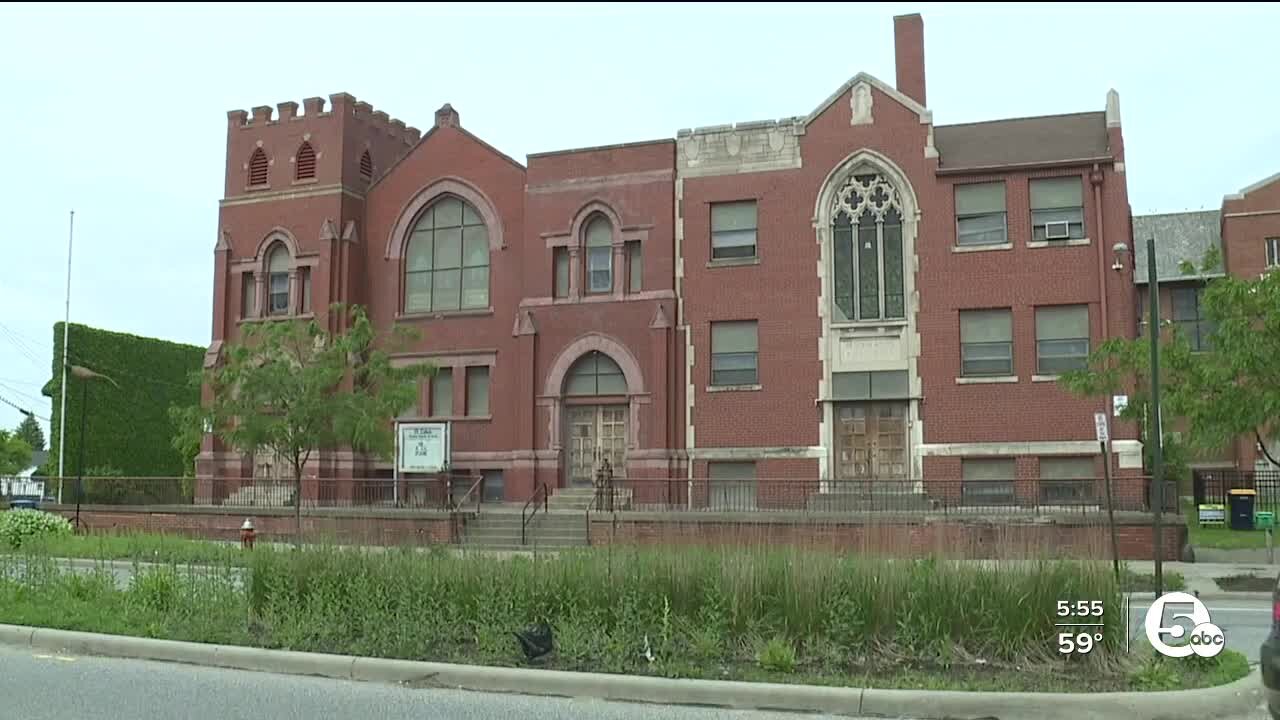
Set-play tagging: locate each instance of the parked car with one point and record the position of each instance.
(1270, 656)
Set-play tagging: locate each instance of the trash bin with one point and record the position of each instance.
(1264, 520)
(1241, 502)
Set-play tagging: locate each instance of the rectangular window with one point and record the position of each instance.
(248, 295)
(734, 353)
(733, 230)
(304, 277)
(986, 342)
(279, 293)
(1067, 480)
(442, 392)
(732, 485)
(1057, 209)
(1189, 319)
(1273, 252)
(987, 481)
(600, 269)
(494, 487)
(560, 258)
(1062, 338)
(635, 266)
(477, 391)
(980, 214)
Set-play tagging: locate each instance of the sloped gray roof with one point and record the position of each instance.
(1179, 236)
(1022, 141)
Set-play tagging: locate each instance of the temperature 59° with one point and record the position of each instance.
(1080, 643)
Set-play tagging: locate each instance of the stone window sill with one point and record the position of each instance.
(257, 188)
(276, 318)
(1044, 378)
(305, 181)
(869, 324)
(1075, 242)
(733, 262)
(981, 248)
(478, 312)
(734, 388)
(986, 379)
(451, 418)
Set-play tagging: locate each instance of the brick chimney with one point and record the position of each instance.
(908, 41)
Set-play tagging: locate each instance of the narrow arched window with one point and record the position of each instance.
(258, 167)
(867, 251)
(599, 242)
(278, 280)
(305, 162)
(447, 262)
(366, 166)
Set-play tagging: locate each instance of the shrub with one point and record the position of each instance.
(777, 655)
(19, 526)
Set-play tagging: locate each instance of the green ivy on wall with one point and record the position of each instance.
(127, 426)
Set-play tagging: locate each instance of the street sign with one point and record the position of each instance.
(424, 447)
(1100, 426)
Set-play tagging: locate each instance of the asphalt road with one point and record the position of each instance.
(37, 686)
(1245, 623)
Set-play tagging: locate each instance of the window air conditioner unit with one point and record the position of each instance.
(1057, 230)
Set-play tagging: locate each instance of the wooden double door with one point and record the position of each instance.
(596, 433)
(871, 441)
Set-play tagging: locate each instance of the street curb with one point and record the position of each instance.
(1215, 596)
(1238, 698)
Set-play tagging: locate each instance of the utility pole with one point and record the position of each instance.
(1156, 427)
(66, 337)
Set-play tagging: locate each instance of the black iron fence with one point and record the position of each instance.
(929, 495)
(453, 491)
(1213, 487)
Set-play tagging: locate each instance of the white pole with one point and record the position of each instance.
(395, 467)
(66, 336)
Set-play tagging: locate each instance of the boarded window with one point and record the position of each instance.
(442, 393)
(980, 214)
(560, 259)
(1057, 209)
(1062, 338)
(734, 353)
(1067, 480)
(733, 230)
(986, 342)
(732, 486)
(988, 481)
(248, 295)
(477, 391)
(635, 267)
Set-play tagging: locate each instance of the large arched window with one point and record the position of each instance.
(278, 280)
(599, 242)
(867, 250)
(447, 262)
(595, 374)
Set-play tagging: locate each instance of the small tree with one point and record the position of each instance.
(15, 453)
(30, 431)
(1223, 393)
(294, 388)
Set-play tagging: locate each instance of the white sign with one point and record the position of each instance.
(1100, 426)
(22, 488)
(1119, 402)
(423, 447)
(1206, 639)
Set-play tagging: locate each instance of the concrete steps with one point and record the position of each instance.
(580, 498)
(501, 531)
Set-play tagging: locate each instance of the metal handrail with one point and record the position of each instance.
(479, 500)
(524, 521)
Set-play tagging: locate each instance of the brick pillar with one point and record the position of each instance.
(660, 349)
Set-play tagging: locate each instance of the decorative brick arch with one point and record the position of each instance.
(580, 218)
(397, 241)
(277, 234)
(585, 344)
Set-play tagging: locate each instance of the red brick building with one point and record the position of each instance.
(854, 293)
(1246, 230)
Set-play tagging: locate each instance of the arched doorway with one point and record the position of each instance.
(595, 419)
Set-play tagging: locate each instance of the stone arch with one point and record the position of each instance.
(276, 234)
(856, 160)
(397, 241)
(584, 215)
(594, 341)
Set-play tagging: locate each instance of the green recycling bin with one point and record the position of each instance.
(1241, 503)
(1264, 520)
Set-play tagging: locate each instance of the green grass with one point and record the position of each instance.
(1146, 582)
(1224, 538)
(1247, 583)
(138, 546)
(781, 615)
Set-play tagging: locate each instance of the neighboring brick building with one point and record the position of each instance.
(854, 293)
(1246, 231)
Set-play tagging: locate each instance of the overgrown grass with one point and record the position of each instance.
(145, 547)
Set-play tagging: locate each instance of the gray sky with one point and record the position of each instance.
(120, 112)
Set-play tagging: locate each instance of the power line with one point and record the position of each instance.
(21, 394)
(18, 345)
(23, 410)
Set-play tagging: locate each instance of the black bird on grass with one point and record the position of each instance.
(536, 641)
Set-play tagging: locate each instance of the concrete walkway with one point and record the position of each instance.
(1200, 576)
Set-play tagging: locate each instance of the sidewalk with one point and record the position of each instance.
(1200, 576)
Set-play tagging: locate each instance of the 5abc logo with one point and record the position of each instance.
(1205, 640)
